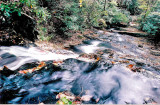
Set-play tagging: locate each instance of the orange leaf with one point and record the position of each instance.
(5, 67)
(42, 64)
(25, 72)
(130, 66)
(123, 61)
(60, 102)
(98, 58)
(76, 102)
(57, 62)
(113, 62)
(127, 61)
(54, 12)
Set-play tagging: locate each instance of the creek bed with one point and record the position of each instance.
(111, 79)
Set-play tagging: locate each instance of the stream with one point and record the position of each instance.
(115, 69)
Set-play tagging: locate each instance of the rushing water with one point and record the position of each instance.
(111, 83)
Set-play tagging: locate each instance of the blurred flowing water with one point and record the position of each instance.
(111, 83)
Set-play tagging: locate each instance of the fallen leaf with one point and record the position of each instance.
(57, 62)
(113, 62)
(76, 102)
(60, 102)
(5, 67)
(124, 61)
(137, 69)
(65, 100)
(130, 66)
(42, 64)
(98, 58)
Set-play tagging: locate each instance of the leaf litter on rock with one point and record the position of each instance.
(41, 65)
(69, 98)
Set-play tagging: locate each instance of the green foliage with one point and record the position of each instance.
(29, 8)
(72, 17)
(91, 12)
(150, 17)
(102, 23)
(152, 23)
(114, 15)
(9, 7)
(42, 14)
(130, 5)
(78, 18)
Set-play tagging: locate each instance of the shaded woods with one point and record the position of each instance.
(49, 18)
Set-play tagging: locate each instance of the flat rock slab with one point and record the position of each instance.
(131, 31)
(155, 52)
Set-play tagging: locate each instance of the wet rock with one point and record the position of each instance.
(7, 94)
(141, 46)
(15, 100)
(149, 100)
(91, 33)
(107, 80)
(7, 72)
(28, 66)
(111, 30)
(100, 32)
(155, 52)
(66, 46)
(91, 37)
(90, 56)
(140, 63)
(108, 51)
(30, 45)
(131, 31)
(7, 55)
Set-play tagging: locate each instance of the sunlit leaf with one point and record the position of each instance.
(60, 102)
(130, 66)
(98, 58)
(113, 62)
(64, 100)
(42, 64)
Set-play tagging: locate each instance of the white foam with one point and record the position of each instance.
(27, 55)
(90, 48)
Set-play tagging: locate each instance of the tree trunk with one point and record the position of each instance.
(105, 5)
